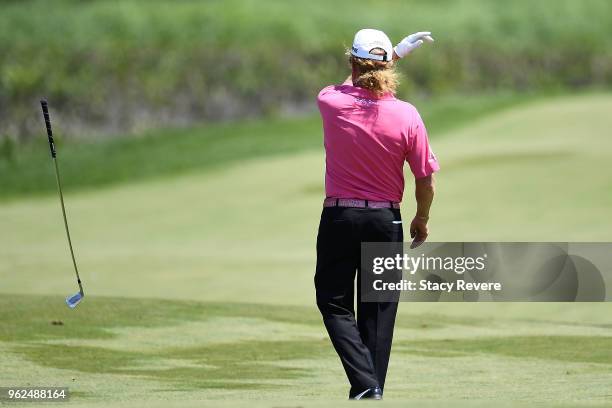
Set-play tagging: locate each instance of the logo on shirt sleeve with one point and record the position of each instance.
(432, 156)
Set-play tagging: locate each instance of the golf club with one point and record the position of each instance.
(73, 300)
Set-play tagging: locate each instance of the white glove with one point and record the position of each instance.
(412, 42)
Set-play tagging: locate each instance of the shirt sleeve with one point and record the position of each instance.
(420, 156)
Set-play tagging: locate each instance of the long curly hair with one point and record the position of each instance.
(379, 77)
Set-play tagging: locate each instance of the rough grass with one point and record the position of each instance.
(135, 64)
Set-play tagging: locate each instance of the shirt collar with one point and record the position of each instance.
(364, 93)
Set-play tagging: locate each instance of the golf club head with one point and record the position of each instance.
(74, 300)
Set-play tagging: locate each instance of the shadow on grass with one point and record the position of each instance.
(235, 365)
(42, 318)
(34, 327)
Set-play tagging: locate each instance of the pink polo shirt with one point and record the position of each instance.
(367, 140)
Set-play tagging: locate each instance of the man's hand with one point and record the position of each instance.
(410, 43)
(418, 231)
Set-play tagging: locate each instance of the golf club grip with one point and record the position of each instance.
(45, 109)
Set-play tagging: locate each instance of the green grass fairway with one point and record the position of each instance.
(199, 287)
(127, 351)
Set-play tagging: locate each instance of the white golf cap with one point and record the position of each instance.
(368, 39)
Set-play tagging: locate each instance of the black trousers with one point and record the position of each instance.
(363, 344)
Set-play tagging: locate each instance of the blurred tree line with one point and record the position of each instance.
(119, 67)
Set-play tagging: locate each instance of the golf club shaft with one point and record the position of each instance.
(59, 189)
(45, 110)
